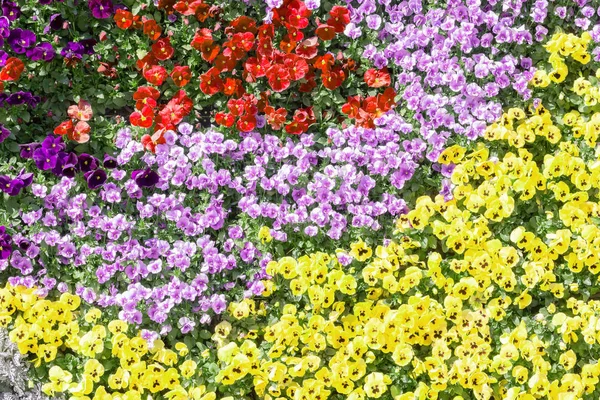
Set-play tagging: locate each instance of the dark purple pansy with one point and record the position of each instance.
(4, 133)
(24, 244)
(11, 10)
(53, 144)
(87, 162)
(21, 39)
(73, 49)
(109, 162)
(45, 2)
(43, 51)
(88, 45)
(101, 8)
(145, 178)
(18, 98)
(96, 178)
(56, 23)
(44, 159)
(66, 165)
(5, 244)
(28, 149)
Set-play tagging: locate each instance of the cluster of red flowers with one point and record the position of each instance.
(286, 54)
(148, 111)
(294, 59)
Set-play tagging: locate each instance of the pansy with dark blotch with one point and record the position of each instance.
(56, 22)
(145, 177)
(88, 45)
(26, 177)
(19, 98)
(96, 178)
(69, 165)
(21, 39)
(87, 162)
(109, 162)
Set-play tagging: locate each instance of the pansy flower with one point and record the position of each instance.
(162, 49)
(145, 178)
(43, 51)
(11, 10)
(21, 39)
(101, 9)
(123, 18)
(181, 75)
(95, 179)
(82, 111)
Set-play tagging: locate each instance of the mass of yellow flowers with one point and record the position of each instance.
(491, 295)
(114, 364)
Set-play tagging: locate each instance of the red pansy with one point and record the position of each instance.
(340, 17)
(162, 49)
(324, 62)
(181, 75)
(246, 123)
(146, 62)
(12, 69)
(210, 82)
(333, 78)
(325, 32)
(224, 119)
(146, 96)
(275, 118)
(297, 66)
(241, 24)
(254, 69)
(278, 77)
(156, 74)
(377, 78)
(233, 87)
(123, 18)
(151, 29)
(308, 48)
(64, 128)
(143, 118)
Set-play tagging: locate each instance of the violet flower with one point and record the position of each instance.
(95, 179)
(43, 51)
(101, 9)
(145, 178)
(21, 39)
